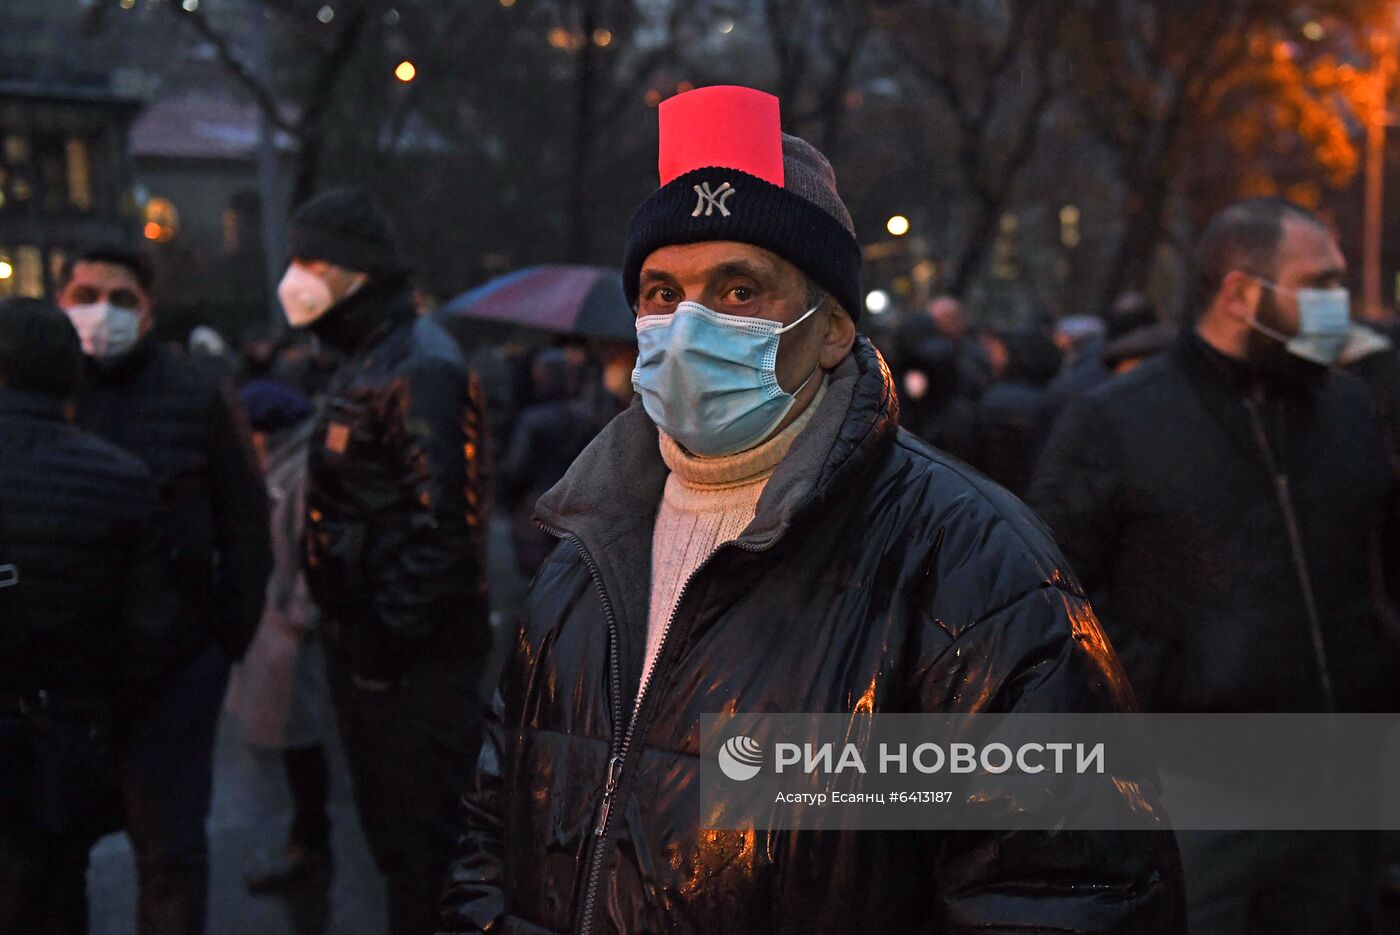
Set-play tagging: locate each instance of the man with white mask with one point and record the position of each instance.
(213, 516)
(394, 540)
(1224, 504)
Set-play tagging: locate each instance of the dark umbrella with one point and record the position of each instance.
(578, 300)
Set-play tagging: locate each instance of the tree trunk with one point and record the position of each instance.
(584, 110)
(981, 235)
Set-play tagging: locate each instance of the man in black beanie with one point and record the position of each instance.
(394, 540)
(756, 534)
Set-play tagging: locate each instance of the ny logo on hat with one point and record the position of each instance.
(708, 201)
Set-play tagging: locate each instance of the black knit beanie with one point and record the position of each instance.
(796, 213)
(344, 226)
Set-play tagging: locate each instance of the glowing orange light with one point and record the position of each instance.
(153, 231)
(405, 72)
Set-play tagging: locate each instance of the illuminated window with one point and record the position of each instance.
(79, 174)
(17, 150)
(58, 256)
(29, 272)
(162, 220)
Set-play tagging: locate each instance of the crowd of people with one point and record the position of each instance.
(784, 518)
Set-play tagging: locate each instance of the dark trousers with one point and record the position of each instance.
(167, 762)
(1277, 882)
(411, 751)
(43, 883)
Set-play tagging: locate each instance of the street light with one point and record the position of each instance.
(405, 72)
(877, 301)
(6, 270)
(898, 225)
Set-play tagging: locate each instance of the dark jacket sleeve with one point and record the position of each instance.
(240, 524)
(475, 897)
(514, 476)
(1077, 491)
(1045, 652)
(438, 567)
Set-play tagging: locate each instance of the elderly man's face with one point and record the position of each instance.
(741, 279)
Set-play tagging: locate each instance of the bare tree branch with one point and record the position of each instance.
(239, 70)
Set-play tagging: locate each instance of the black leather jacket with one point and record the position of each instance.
(877, 576)
(395, 490)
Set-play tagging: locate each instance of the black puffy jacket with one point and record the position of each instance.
(877, 576)
(1162, 494)
(75, 518)
(212, 512)
(395, 489)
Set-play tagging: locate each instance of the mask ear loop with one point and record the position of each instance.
(1264, 329)
(818, 368)
(815, 370)
(807, 315)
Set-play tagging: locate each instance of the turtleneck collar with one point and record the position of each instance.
(739, 469)
(1246, 377)
(365, 315)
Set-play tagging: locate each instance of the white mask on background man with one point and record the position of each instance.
(305, 297)
(106, 331)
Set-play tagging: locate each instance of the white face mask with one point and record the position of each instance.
(305, 296)
(107, 331)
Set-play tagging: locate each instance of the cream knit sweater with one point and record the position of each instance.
(707, 502)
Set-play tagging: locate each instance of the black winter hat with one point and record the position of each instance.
(345, 227)
(729, 173)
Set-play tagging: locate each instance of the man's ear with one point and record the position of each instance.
(1239, 296)
(840, 336)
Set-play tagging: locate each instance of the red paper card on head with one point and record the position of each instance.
(738, 128)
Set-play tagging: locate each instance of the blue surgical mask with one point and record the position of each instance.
(709, 381)
(1324, 324)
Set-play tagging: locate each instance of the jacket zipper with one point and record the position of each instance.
(614, 774)
(622, 739)
(1300, 562)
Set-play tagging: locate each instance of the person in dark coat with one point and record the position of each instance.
(804, 555)
(212, 510)
(394, 556)
(80, 588)
(930, 404)
(1010, 422)
(1222, 503)
(548, 435)
(1088, 366)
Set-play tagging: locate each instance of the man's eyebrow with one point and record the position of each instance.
(656, 275)
(1331, 272)
(742, 268)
